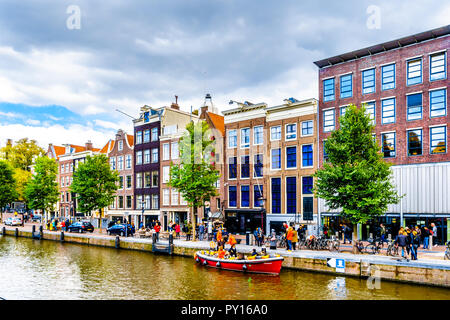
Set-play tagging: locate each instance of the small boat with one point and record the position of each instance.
(270, 264)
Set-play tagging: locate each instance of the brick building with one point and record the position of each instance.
(404, 86)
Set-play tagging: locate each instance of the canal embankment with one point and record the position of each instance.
(376, 267)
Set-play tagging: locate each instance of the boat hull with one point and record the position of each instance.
(267, 266)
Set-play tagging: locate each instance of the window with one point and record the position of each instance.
(155, 179)
(291, 195)
(71, 167)
(129, 182)
(139, 157)
(388, 77)
(368, 81)
(120, 182)
(276, 159)
(342, 111)
(232, 139)
(308, 206)
(113, 204)
(307, 185)
(147, 180)
(166, 150)
(174, 151)
(245, 196)
(138, 202)
(174, 197)
(245, 137)
(120, 206)
(146, 156)
(307, 155)
(291, 131)
(325, 154)
(346, 86)
(62, 169)
(258, 135)
(328, 90)
(128, 161)
(257, 195)
(155, 134)
(291, 157)
(414, 106)
(232, 168)
(245, 167)
(328, 120)
(129, 202)
(183, 201)
(120, 146)
(275, 133)
(166, 197)
(147, 135)
(155, 201)
(139, 137)
(437, 66)
(166, 174)
(388, 111)
(138, 180)
(112, 162)
(307, 128)
(438, 105)
(232, 196)
(415, 142)
(258, 166)
(388, 144)
(120, 163)
(438, 140)
(170, 129)
(370, 111)
(276, 195)
(414, 71)
(154, 155)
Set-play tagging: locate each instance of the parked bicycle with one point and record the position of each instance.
(447, 252)
(392, 249)
(334, 245)
(374, 246)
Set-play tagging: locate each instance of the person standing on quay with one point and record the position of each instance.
(415, 244)
(294, 238)
(401, 240)
(434, 234)
(289, 236)
(157, 229)
(426, 237)
(201, 231)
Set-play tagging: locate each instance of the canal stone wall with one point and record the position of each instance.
(435, 273)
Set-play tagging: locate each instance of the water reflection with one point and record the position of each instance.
(31, 269)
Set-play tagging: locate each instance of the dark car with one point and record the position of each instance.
(119, 229)
(81, 226)
(36, 218)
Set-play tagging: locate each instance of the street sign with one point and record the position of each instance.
(338, 264)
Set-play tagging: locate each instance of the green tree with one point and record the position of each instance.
(41, 192)
(7, 185)
(94, 184)
(355, 178)
(22, 177)
(195, 178)
(22, 154)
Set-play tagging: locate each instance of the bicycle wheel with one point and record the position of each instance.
(447, 255)
(371, 249)
(336, 245)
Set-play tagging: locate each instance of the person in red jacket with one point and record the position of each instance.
(157, 228)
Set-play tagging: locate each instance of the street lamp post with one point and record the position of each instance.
(143, 209)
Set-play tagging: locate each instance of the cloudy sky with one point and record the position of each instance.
(62, 84)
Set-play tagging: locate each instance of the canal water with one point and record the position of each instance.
(33, 269)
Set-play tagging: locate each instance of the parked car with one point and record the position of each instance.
(13, 221)
(119, 229)
(81, 226)
(36, 217)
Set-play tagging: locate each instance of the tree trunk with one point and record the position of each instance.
(354, 239)
(194, 211)
(100, 220)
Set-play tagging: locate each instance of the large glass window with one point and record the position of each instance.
(166, 197)
(245, 196)
(388, 111)
(291, 131)
(370, 110)
(307, 185)
(291, 195)
(232, 139)
(128, 161)
(346, 86)
(276, 158)
(175, 153)
(307, 155)
(155, 201)
(232, 168)
(368, 81)
(139, 157)
(146, 135)
(138, 180)
(139, 137)
(258, 135)
(245, 167)
(308, 205)
(328, 90)
(154, 155)
(258, 166)
(438, 103)
(232, 196)
(388, 144)
(438, 140)
(245, 137)
(328, 120)
(155, 179)
(129, 182)
(291, 157)
(166, 151)
(388, 77)
(146, 156)
(155, 134)
(414, 71)
(275, 133)
(147, 180)
(257, 195)
(437, 66)
(276, 195)
(166, 174)
(307, 128)
(414, 106)
(415, 142)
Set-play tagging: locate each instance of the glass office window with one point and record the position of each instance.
(368, 81)
(276, 195)
(437, 66)
(414, 71)
(328, 90)
(346, 86)
(388, 144)
(438, 140)
(388, 111)
(414, 106)
(388, 77)
(291, 157)
(414, 142)
(438, 103)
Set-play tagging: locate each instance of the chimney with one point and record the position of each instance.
(89, 145)
(175, 105)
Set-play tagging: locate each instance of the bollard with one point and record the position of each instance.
(170, 239)
(41, 232)
(16, 232)
(4, 231)
(247, 238)
(153, 238)
(117, 242)
(33, 229)
(62, 236)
